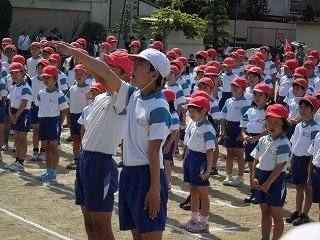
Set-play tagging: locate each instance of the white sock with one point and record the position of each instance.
(204, 219)
(195, 216)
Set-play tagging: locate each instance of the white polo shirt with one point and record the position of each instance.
(62, 81)
(37, 85)
(303, 136)
(234, 108)
(270, 68)
(83, 119)
(214, 109)
(180, 98)
(293, 107)
(76, 98)
(254, 120)
(270, 152)
(182, 82)
(31, 66)
(20, 92)
(4, 72)
(200, 137)
(148, 119)
(314, 151)
(50, 103)
(175, 122)
(70, 78)
(285, 85)
(226, 81)
(267, 80)
(248, 94)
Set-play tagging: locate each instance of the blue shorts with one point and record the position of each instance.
(23, 123)
(280, 100)
(133, 187)
(195, 164)
(34, 113)
(2, 112)
(6, 107)
(96, 181)
(300, 169)
(248, 148)
(316, 185)
(74, 125)
(49, 128)
(216, 126)
(276, 195)
(169, 156)
(224, 97)
(233, 131)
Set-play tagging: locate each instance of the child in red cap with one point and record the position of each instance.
(33, 60)
(271, 156)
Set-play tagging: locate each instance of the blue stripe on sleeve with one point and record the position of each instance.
(214, 109)
(38, 97)
(26, 91)
(61, 100)
(160, 115)
(3, 86)
(175, 121)
(179, 94)
(63, 81)
(68, 94)
(283, 149)
(313, 135)
(131, 91)
(209, 136)
(245, 109)
(224, 109)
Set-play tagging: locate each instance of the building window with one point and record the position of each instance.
(296, 7)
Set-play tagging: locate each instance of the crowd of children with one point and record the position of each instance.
(149, 104)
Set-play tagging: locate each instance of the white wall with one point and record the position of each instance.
(309, 34)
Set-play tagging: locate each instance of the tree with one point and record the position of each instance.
(92, 30)
(5, 18)
(167, 19)
(256, 10)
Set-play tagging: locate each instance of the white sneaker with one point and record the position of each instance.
(16, 167)
(42, 156)
(35, 156)
(11, 132)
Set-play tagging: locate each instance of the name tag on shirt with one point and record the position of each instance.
(53, 101)
(141, 122)
(305, 134)
(199, 135)
(273, 151)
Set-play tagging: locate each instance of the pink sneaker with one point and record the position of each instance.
(188, 224)
(199, 227)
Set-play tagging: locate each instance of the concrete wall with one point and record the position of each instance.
(279, 7)
(309, 34)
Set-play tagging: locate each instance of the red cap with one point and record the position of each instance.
(201, 94)
(55, 57)
(174, 69)
(178, 64)
(48, 49)
(135, 43)
(234, 54)
(287, 48)
(211, 70)
(15, 67)
(37, 44)
(263, 87)
(203, 54)
(228, 62)
(75, 44)
(207, 81)
(120, 59)
(201, 102)
(265, 48)
(256, 70)
(106, 45)
(171, 54)
(212, 52)
(183, 60)
(247, 68)
(157, 44)
(302, 82)
(239, 82)
(301, 72)
(201, 68)
(314, 54)
(50, 71)
(254, 58)
(111, 38)
(291, 63)
(241, 52)
(318, 92)
(82, 42)
(178, 51)
(277, 110)
(290, 54)
(10, 46)
(313, 100)
(19, 59)
(310, 63)
(43, 42)
(169, 94)
(214, 63)
(81, 67)
(43, 61)
(6, 41)
(98, 86)
(260, 55)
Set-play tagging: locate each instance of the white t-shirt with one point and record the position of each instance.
(31, 66)
(37, 85)
(62, 81)
(314, 150)
(214, 109)
(226, 81)
(270, 152)
(285, 85)
(50, 103)
(76, 98)
(293, 107)
(20, 92)
(254, 120)
(148, 119)
(83, 119)
(23, 42)
(234, 108)
(270, 68)
(175, 121)
(177, 89)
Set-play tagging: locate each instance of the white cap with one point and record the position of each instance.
(310, 231)
(156, 58)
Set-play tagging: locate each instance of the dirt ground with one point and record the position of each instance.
(32, 210)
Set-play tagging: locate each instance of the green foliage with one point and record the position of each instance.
(5, 18)
(93, 29)
(167, 19)
(256, 10)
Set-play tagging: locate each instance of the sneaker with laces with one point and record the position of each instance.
(199, 227)
(34, 156)
(188, 224)
(247, 168)
(301, 219)
(249, 198)
(293, 217)
(237, 182)
(42, 156)
(227, 181)
(72, 165)
(16, 167)
(48, 177)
